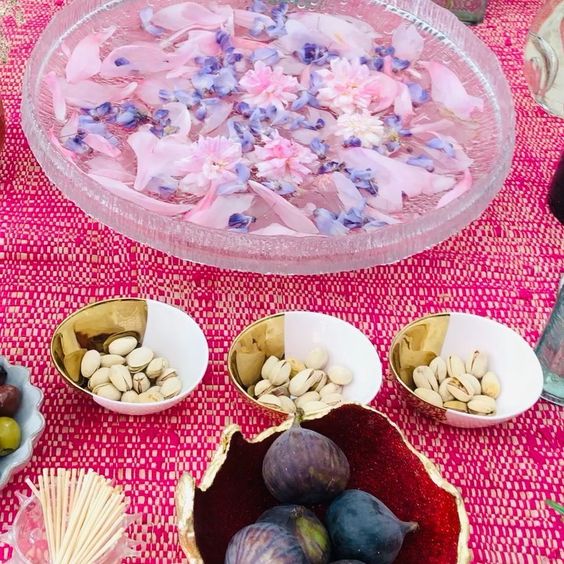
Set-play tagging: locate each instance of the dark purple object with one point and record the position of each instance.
(556, 192)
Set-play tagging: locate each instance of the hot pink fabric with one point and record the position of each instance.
(506, 265)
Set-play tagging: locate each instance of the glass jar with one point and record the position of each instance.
(469, 11)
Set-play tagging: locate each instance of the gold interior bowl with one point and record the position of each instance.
(443, 334)
(232, 494)
(167, 330)
(294, 334)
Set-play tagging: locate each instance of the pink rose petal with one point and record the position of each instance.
(54, 84)
(288, 213)
(101, 144)
(446, 89)
(187, 15)
(246, 18)
(220, 113)
(109, 168)
(463, 186)
(379, 216)
(84, 61)
(407, 42)
(90, 94)
(71, 127)
(348, 193)
(403, 106)
(144, 144)
(179, 117)
(220, 210)
(276, 229)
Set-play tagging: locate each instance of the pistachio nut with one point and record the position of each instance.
(129, 397)
(101, 376)
(439, 368)
(111, 359)
(287, 404)
(138, 359)
(475, 383)
(477, 364)
(307, 397)
(165, 375)
(491, 385)
(120, 377)
(317, 358)
(323, 379)
(301, 382)
(171, 387)
(424, 377)
(122, 346)
(108, 391)
(482, 405)
(279, 391)
(429, 396)
(263, 387)
(267, 367)
(141, 383)
(339, 375)
(456, 405)
(251, 390)
(269, 400)
(443, 390)
(155, 367)
(332, 399)
(90, 363)
(314, 407)
(455, 366)
(461, 388)
(152, 395)
(280, 373)
(330, 388)
(297, 365)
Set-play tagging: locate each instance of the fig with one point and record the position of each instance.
(362, 527)
(305, 526)
(10, 400)
(264, 542)
(305, 467)
(3, 375)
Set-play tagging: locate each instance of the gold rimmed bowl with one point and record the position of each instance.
(167, 330)
(294, 334)
(508, 355)
(232, 493)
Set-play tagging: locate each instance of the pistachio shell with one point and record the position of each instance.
(456, 405)
(138, 359)
(455, 366)
(263, 387)
(339, 375)
(475, 383)
(429, 396)
(439, 368)
(121, 378)
(165, 375)
(280, 373)
(477, 364)
(141, 383)
(108, 391)
(90, 363)
(332, 399)
(297, 366)
(323, 379)
(443, 390)
(306, 398)
(130, 397)
(155, 367)
(314, 407)
(424, 377)
(287, 404)
(280, 391)
(461, 388)
(268, 366)
(491, 385)
(251, 391)
(152, 395)
(330, 388)
(482, 405)
(300, 383)
(111, 359)
(172, 387)
(270, 401)
(317, 358)
(101, 376)
(122, 346)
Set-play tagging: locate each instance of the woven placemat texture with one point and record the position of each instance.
(506, 265)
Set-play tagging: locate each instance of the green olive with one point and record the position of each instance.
(10, 435)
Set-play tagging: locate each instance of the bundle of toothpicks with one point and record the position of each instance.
(84, 514)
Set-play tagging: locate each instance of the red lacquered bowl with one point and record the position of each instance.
(232, 494)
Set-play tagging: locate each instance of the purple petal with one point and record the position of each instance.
(241, 222)
(422, 161)
(267, 55)
(146, 15)
(328, 224)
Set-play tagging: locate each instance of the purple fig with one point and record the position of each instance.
(264, 542)
(302, 466)
(305, 526)
(362, 527)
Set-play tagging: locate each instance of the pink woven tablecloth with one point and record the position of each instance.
(506, 265)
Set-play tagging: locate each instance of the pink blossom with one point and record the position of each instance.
(210, 161)
(351, 86)
(266, 85)
(283, 159)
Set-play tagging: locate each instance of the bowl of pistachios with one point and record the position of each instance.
(465, 370)
(304, 360)
(131, 355)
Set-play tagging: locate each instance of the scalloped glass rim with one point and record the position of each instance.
(283, 254)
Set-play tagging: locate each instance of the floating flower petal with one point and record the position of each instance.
(407, 42)
(265, 86)
(84, 61)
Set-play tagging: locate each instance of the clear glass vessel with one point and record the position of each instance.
(447, 40)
